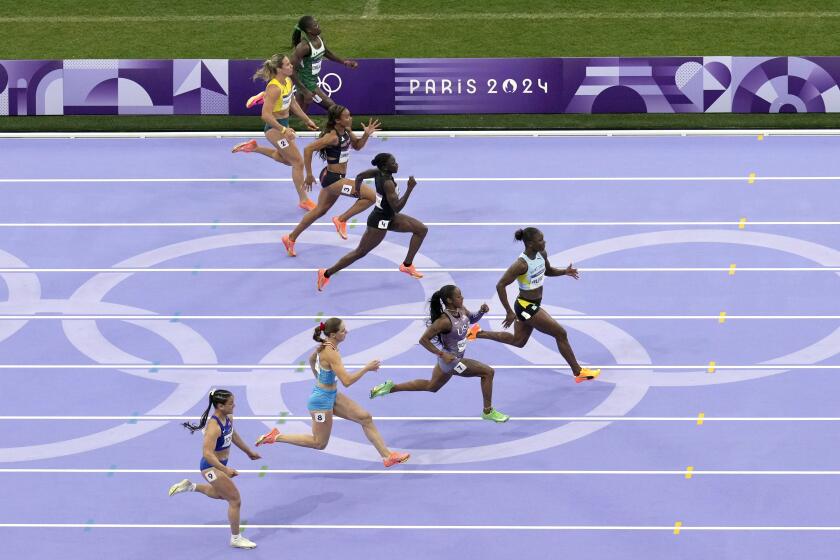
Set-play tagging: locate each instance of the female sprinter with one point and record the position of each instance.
(449, 328)
(334, 146)
(279, 99)
(529, 270)
(324, 402)
(308, 53)
(384, 217)
(217, 439)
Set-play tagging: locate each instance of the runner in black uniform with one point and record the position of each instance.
(384, 217)
(334, 145)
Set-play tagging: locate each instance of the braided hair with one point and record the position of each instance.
(217, 398)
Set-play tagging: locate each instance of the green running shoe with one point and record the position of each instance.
(382, 389)
(495, 416)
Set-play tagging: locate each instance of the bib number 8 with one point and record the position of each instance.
(320, 417)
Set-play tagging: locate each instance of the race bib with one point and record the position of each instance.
(347, 189)
(227, 441)
(462, 345)
(344, 156)
(316, 67)
(210, 475)
(460, 367)
(283, 143)
(379, 201)
(316, 98)
(320, 417)
(383, 224)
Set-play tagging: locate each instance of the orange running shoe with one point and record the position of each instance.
(395, 458)
(307, 205)
(255, 100)
(268, 438)
(289, 245)
(246, 147)
(473, 331)
(587, 374)
(322, 279)
(340, 227)
(411, 271)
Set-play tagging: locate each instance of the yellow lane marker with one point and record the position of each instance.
(760, 137)
(722, 318)
(741, 223)
(711, 367)
(700, 418)
(751, 178)
(677, 526)
(689, 472)
(732, 269)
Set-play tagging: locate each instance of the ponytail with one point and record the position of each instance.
(216, 398)
(269, 68)
(525, 235)
(330, 326)
(300, 28)
(333, 114)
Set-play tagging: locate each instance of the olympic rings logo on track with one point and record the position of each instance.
(264, 391)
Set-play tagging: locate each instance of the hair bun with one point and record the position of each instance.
(519, 234)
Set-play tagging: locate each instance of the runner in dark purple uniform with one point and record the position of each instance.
(447, 336)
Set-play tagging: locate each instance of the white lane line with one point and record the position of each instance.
(716, 318)
(420, 179)
(484, 16)
(400, 366)
(668, 528)
(692, 419)
(435, 224)
(436, 472)
(429, 270)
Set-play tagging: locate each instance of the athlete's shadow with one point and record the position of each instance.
(287, 514)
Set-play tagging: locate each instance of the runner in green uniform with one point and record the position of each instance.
(309, 51)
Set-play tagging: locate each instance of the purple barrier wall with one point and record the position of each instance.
(433, 86)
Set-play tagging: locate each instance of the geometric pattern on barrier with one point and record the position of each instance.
(200, 87)
(640, 85)
(786, 85)
(31, 87)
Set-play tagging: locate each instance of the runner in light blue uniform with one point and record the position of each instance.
(325, 401)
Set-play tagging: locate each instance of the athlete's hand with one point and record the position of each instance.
(447, 357)
(350, 63)
(510, 317)
(253, 456)
(571, 271)
(371, 127)
(373, 365)
(484, 308)
(412, 182)
(309, 181)
(231, 472)
(289, 133)
(311, 125)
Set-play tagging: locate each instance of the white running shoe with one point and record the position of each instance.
(238, 541)
(183, 486)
